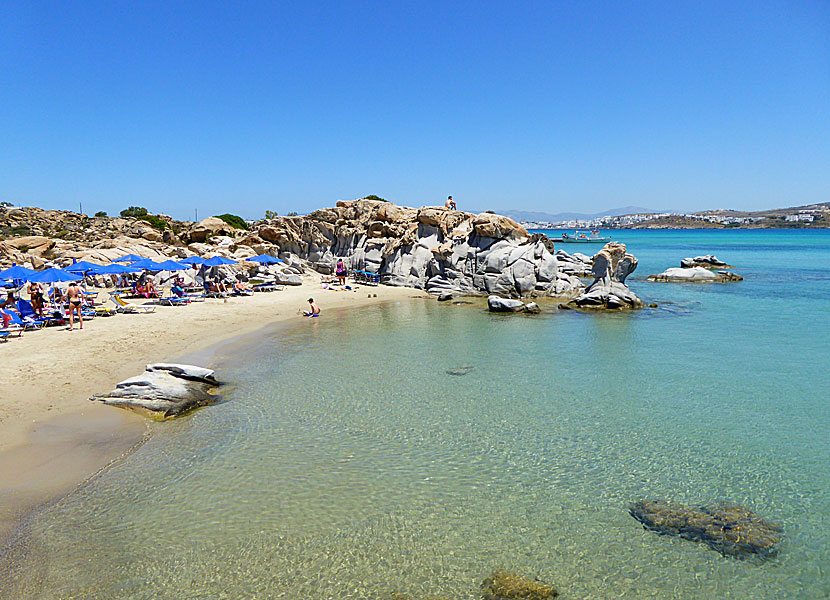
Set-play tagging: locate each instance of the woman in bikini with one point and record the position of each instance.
(36, 297)
(75, 296)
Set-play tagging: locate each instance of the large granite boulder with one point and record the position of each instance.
(730, 529)
(707, 262)
(502, 585)
(206, 228)
(164, 390)
(694, 275)
(611, 266)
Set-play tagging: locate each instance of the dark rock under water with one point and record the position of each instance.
(730, 529)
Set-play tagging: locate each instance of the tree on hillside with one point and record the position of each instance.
(134, 211)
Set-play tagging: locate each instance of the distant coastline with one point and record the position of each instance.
(813, 216)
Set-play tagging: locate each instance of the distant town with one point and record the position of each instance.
(812, 216)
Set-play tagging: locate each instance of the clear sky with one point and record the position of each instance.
(548, 106)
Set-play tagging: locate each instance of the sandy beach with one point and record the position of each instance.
(52, 437)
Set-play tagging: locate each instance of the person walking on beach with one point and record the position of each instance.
(313, 309)
(75, 296)
(450, 203)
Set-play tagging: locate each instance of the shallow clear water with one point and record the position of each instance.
(347, 463)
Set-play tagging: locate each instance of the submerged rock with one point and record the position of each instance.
(730, 529)
(460, 371)
(694, 275)
(707, 262)
(610, 268)
(502, 585)
(164, 390)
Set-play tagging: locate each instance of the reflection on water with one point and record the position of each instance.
(349, 463)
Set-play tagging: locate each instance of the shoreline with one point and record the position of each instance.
(53, 439)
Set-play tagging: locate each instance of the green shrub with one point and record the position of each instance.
(373, 197)
(271, 214)
(293, 213)
(101, 213)
(6, 204)
(154, 221)
(233, 220)
(134, 211)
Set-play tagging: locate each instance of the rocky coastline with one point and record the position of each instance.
(434, 249)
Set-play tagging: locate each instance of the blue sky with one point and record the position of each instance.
(548, 106)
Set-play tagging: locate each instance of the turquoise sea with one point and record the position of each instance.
(347, 463)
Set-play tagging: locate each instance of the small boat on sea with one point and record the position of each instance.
(581, 238)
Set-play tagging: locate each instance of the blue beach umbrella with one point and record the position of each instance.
(16, 273)
(146, 264)
(172, 265)
(193, 260)
(130, 258)
(265, 259)
(54, 275)
(82, 267)
(219, 260)
(115, 269)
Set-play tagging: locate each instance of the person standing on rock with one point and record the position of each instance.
(75, 296)
(450, 203)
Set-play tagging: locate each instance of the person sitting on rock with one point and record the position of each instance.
(450, 203)
(313, 309)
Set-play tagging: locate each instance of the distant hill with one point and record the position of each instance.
(524, 215)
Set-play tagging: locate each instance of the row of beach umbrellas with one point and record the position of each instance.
(135, 264)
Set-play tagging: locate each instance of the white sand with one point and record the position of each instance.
(48, 376)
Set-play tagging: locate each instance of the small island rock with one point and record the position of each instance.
(499, 304)
(694, 275)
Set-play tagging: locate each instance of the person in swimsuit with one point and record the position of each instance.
(313, 309)
(340, 272)
(450, 203)
(36, 297)
(75, 296)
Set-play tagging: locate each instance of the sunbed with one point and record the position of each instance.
(128, 307)
(28, 315)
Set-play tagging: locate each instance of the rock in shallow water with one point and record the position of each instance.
(730, 529)
(502, 585)
(694, 275)
(611, 266)
(164, 390)
(460, 371)
(498, 304)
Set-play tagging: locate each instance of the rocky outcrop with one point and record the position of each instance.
(730, 529)
(576, 264)
(431, 248)
(502, 585)
(707, 262)
(611, 266)
(164, 390)
(694, 275)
